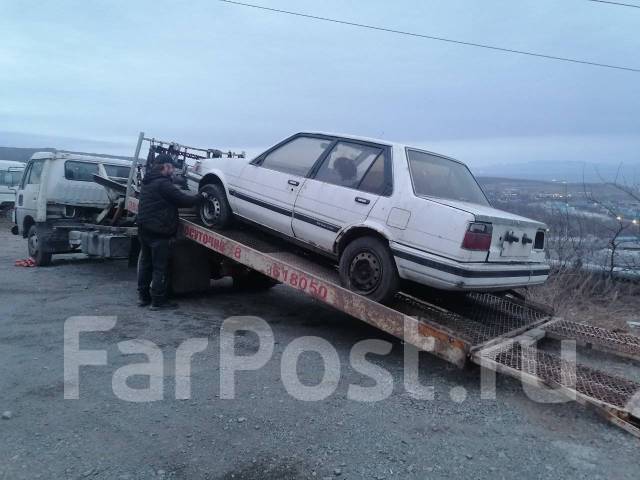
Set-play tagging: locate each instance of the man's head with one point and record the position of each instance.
(163, 164)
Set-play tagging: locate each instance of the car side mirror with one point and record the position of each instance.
(257, 160)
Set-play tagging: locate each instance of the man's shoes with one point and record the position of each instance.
(144, 300)
(162, 303)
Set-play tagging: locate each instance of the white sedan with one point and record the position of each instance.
(384, 212)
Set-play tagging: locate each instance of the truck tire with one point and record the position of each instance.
(368, 268)
(35, 246)
(215, 212)
(253, 281)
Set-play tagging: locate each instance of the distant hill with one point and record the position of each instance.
(24, 154)
(526, 187)
(485, 180)
(569, 171)
(20, 154)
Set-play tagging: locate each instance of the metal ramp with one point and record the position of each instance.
(476, 318)
(621, 344)
(617, 398)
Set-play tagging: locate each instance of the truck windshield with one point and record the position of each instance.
(10, 178)
(435, 176)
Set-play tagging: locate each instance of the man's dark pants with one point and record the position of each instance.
(153, 265)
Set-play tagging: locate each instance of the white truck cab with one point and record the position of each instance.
(58, 189)
(10, 175)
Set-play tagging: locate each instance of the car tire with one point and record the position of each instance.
(215, 212)
(368, 268)
(35, 247)
(252, 280)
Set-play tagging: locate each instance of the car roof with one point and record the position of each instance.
(352, 137)
(383, 142)
(59, 155)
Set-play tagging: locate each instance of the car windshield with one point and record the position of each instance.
(435, 176)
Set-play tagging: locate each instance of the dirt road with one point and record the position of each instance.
(264, 433)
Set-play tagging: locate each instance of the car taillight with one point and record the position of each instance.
(477, 237)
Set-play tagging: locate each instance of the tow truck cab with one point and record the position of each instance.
(58, 189)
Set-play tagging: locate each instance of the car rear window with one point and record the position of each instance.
(439, 177)
(80, 171)
(119, 171)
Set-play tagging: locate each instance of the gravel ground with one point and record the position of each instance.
(264, 433)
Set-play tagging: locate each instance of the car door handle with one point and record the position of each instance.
(293, 182)
(364, 201)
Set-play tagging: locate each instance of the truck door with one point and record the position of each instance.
(27, 195)
(342, 192)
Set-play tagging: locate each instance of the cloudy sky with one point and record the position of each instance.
(91, 75)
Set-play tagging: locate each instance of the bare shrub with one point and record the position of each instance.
(587, 297)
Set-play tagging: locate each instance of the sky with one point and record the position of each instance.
(90, 75)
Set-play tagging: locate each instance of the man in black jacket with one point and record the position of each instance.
(157, 225)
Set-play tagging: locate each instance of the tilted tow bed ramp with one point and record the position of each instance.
(488, 329)
(493, 331)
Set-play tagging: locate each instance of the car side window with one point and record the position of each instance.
(35, 172)
(80, 171)
(378, 177)
(297, 156)
(348, 163)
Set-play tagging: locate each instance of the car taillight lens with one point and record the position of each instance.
(477, 237)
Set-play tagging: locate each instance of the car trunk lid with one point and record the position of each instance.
(513, 237)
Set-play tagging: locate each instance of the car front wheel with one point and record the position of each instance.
(215, 211)
(35, 246)
(367, 267)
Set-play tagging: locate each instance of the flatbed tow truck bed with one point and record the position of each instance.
(495, 331)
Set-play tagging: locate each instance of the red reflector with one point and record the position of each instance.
(476, 241)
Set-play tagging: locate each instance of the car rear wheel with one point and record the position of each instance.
(35, 246)
(215, 211)
(367, 267)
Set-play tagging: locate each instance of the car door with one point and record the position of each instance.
(266, 189)
(341, 192)
(27, 195)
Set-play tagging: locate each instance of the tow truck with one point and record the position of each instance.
(497, 331)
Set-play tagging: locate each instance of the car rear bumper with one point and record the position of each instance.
(448, 274)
